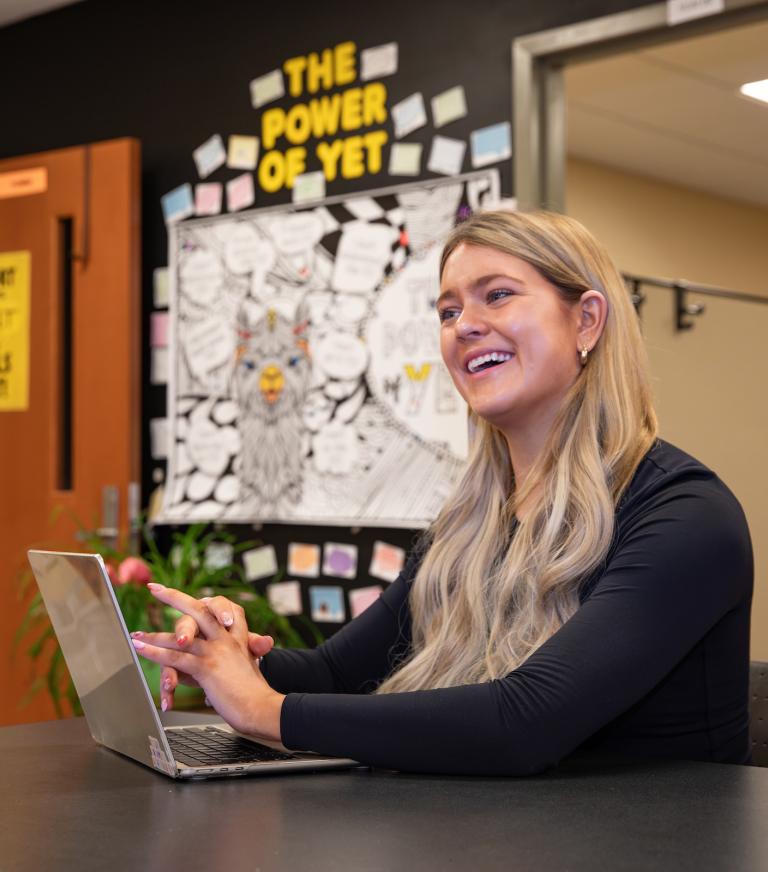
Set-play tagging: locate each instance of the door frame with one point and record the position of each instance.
(538, 94)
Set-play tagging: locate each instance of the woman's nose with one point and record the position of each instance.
(470, 323)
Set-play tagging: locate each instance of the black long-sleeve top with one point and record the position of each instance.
(655, 662)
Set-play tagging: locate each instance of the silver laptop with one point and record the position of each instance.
(117, 703)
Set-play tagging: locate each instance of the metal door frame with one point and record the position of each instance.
(538, 95)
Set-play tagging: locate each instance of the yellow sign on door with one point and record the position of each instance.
(14, 331)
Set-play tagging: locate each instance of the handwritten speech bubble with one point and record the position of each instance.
(209, 344)
(295, 234)
(205, 448)
(247, 251)
(341, 356)
(200, 276)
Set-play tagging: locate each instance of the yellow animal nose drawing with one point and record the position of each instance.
(271, 383)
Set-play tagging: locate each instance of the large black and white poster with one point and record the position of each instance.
(306, 383)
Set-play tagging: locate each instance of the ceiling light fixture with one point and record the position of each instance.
(756, 90)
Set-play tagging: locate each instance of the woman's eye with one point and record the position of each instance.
(446, 314)
(498, 294)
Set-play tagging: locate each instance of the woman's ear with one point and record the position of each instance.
(592, 313)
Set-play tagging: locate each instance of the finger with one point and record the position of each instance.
(188, 605)
(258, 645)
(169, 678)
(185, 629)
(179, 660)
(161, 640)
(230, 615)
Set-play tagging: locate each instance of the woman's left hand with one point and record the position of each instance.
(220, 663)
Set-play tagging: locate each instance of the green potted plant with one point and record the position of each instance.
(201, 562)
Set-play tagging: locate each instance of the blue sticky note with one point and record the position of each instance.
(327, 604)
(178, 203)
(491, 144)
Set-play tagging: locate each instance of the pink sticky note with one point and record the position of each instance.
(240, 192)
(360, 599)
(208, 198)
(159, 329)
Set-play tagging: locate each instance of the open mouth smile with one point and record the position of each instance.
(487, 361)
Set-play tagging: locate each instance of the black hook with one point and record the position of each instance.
(684, 310)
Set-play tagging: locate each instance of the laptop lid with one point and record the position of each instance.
(94, 639)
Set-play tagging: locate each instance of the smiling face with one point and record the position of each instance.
(508, 338)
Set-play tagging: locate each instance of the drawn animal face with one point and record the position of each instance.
(272, 365)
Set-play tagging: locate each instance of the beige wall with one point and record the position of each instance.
(710, 382)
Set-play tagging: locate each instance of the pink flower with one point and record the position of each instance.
(134, 569)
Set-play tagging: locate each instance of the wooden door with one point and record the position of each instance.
(76, 212)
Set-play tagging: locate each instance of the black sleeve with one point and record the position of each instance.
(678, 567)
(356, 658)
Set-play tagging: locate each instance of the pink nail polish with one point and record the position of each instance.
(153, 586)
(137, 634)
(167, 684)
(138, 644)
(164, 705)
(182, 640)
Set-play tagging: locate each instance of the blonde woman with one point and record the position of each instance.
(587, 585)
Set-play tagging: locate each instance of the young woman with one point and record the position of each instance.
(587, 584)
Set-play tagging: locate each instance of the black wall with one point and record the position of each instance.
(173, 72)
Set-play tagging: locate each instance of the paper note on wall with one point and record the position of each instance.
(363, 253)
(260, 562)
(491, 144)
(240, 192)
(449, 106)
(308, 187)
(208, 198)
(446, 156)
(387, 561)
(379, 61)
(243, 152)
(362, 598)
(405, 158)
(160, 287)
(304, 560)
(267, 88)
(178, 203)
(409, 115)
(209, 156)
(158, 438)
(14, 330)
(340, 560)
(327, 604)
(285, 597)
(158, 329)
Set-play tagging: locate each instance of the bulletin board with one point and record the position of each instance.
(305, 382)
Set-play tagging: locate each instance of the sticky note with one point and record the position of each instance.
(409, 115)
(491, 144)
(267, 88)
(303, 560)
(240, 192)
(340, 560)
(158, 369)
(242, 152)
(308, 187)
(218, 555)
(360, 599)
(158, 438)
(209, 156)
(405, 158)
(379, 61)
(285, 597)
(260, 562)
(158, 329)
(387, 561)
(327, 604)
(449, 106)
(177, 204)
(446, 155)
(208, 198)
(160, 287)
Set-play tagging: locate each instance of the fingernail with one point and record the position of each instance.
(138, 644)
(182, 640)
(227, 619)
(153, 586)
(164, 705)
(136, 634)
(167, 684)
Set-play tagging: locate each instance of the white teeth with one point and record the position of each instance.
(492, 357)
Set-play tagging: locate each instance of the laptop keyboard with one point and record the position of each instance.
(213, 747)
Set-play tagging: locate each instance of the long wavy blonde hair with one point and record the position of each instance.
(485, 597)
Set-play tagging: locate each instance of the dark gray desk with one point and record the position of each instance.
(67, 804)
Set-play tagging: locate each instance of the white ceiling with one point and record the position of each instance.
(16, 10)
(675, 113)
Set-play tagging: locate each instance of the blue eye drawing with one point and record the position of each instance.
(249, 364)
(294, 361)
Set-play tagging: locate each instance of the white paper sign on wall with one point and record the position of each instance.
(679, 11)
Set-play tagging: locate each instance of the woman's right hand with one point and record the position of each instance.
(185, 630)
